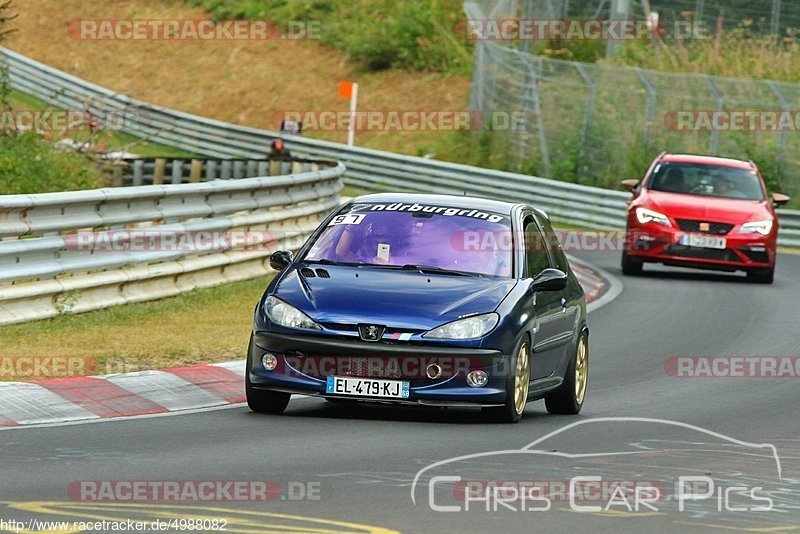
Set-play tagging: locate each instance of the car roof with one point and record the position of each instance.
(454, 201)
(706, 160)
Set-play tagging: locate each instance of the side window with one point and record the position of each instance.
(553, 245)
(536, 259)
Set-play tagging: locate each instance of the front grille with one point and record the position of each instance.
(411, 369)
(714, 228)
(702, 253)
(759, 256)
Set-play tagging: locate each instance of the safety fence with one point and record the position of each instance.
(373, 170)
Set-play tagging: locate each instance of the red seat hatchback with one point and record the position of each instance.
(705, 212)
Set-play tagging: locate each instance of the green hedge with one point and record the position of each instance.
(28, 164)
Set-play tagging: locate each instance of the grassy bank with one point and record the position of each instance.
(203, 326)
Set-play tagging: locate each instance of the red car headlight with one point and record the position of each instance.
(644, 215)
(756, 227)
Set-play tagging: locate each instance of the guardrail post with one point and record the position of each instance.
(116, 173)
(158, 171)
(238, 169)
(274, 168)
(211, 170)
(177, 171)
(196, 170)
(225, 170)
(138, 171)
(252, 168)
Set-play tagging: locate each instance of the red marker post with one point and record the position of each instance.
(350, 90)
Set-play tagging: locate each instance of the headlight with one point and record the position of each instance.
(286, 315)
(756, 227)
(645, 216)
(469, 328)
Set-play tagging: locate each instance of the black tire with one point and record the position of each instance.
(630, 266)
(766, 276)
(259, 400)
(509, 412)
(565, 400)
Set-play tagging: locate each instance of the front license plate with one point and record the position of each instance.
(703, 241)
(367, 387)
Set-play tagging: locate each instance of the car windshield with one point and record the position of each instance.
(418, 237)
(707, 180)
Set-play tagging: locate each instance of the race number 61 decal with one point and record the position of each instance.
(350, 218)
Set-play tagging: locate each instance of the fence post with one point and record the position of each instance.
(650, 108)
(619, 11)
(775, 22)
(588, 114)
(783, 135)
(714, 143)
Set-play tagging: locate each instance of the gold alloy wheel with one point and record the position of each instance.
(581, 370)
(521, 379)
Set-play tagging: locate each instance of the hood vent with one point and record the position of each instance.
(308, 273)
(322, 273)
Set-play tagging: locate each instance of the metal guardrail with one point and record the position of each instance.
(132, 171)
(76, 251)
(370, 169)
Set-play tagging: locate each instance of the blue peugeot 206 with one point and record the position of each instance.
(426, 300)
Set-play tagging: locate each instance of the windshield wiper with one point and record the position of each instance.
(437, 270)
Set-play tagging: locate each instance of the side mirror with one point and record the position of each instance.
(780, 200)
(280, 259)
(550, 280)
(630, 185)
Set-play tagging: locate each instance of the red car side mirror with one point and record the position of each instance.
(630, 185)
(780, 200)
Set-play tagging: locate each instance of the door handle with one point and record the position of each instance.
(563, 305)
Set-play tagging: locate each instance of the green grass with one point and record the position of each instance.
(28, 164)
(201, 326)
(377, 34)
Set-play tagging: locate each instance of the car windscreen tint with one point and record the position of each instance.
(464, 240)
(707, 180)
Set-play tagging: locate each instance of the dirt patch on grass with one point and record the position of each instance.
(246, 82)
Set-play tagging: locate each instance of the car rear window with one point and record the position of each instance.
(445, 237)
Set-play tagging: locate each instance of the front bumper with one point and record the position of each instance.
(651, 242)
(305, 361)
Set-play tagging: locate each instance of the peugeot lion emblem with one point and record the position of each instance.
(371, 332)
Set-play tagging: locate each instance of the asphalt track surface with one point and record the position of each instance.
(362, 460)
